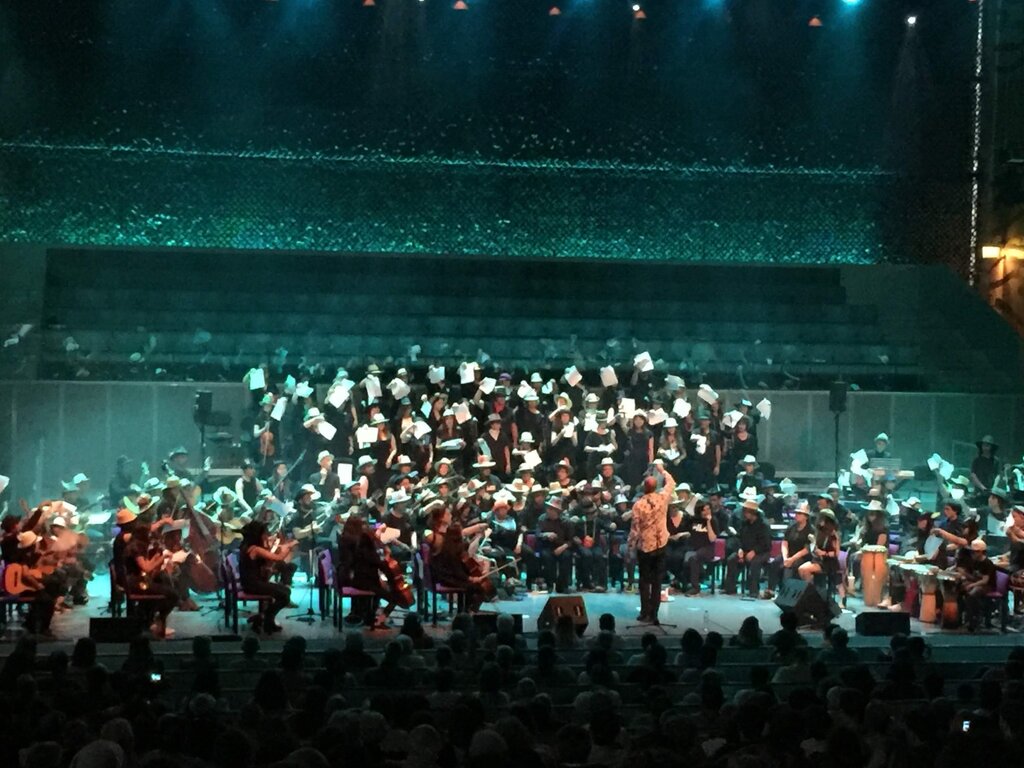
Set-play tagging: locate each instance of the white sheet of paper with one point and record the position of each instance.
(257, 379)
(765, 408)
(467, 372)
(669, 454)
(290, 384)
(643, 361)
(934, 461)
(681, 408)
(425, 409)
(435, 375)
(338, 395)
(547, 388)
(366, 435)
(97, 518)
(461, 413)
(732, 418)
(453, 445)
(569, 430)
(488, 384)
(589, 423)
(701, 442)
(327, 430)
(345, 470)
(524, 389)
(279, 407)
(673, 382)
(420, 429)
(398, 388)
(573, 376)
(892, 507)
(946, 469)
(843, 481)
(707, 394)
(608, 377)
(858, 459)
(656, 417)
(627, 406)
(373, 387)
(302, 389)
(531, 459)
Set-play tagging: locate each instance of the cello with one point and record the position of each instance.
(202, 541)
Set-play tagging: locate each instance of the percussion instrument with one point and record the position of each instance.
(897, 584)
(873, 573)
(932, 545)
(950, 584)
(929, 587)
(911, 588)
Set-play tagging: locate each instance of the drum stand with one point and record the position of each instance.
(309, 617)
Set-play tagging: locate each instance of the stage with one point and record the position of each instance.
(719, 613)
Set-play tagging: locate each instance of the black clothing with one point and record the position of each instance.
(326, 483)
(652, 573)
(985, 469)
(253, 578)
(251, 491)
(755, 536)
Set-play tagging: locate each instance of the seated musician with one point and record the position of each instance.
(449, 555)
(979, 578)
(505, 544)
(20, 549)
(590, 532)
(256, 559)
(303, 522)
(703, 529)
(755, 545)
(360, 567)
(179, 571)
(796, 543)
(144, 574)
(554, 540)
(953, 531)
(398, 518)
(825, 556)
(678, 534)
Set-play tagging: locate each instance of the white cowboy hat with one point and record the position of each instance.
(324, 455)
(313, 417)
(79, 479)
(364, 461)
(749, 459)
(402, 459)
(308, 488)
(484, 462)
(607, 461)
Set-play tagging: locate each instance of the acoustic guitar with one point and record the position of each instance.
(19, 579)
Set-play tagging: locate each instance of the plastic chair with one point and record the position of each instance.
(717, 562)
(998, 599)
(429, 585)
(233, 592)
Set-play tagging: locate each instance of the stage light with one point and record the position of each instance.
(991, 251)
(460, 5)
(369, 3)
(851, 2)
(815, 22)
(555, 11)
(636, 7)
(911, 21)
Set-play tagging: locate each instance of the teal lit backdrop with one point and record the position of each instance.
(713, 131)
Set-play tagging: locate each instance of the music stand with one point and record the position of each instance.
(309, 617)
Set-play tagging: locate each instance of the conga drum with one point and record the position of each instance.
(950, 584)
(873, 572)
(897, 582)
(929, 587)
(911, 589)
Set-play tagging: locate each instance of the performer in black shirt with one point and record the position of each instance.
(256, 558)
(554, 539)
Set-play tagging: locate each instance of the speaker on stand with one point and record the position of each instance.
(837, 404)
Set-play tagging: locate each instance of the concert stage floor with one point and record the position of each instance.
(724, 614)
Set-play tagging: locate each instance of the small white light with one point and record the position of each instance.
(911, 21)
(636, 7)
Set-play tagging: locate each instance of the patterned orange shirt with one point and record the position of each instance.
(649, 525)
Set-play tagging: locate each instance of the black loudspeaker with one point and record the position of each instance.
(883, 623)
(806, 602)
(487, 623)
(203, 405)
(837, 396)
(570, 605)
(119, 630)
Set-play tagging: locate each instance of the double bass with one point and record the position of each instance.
(202, 540)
